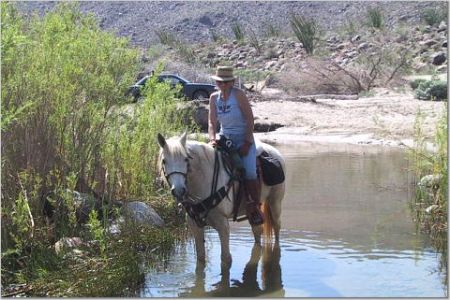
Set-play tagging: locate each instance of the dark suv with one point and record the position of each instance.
(189, 89)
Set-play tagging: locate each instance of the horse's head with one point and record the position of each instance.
(174, 160)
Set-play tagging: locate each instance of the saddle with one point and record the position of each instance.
(268, 168)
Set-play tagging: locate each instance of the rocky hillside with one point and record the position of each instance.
(205, 38)
(199, 21)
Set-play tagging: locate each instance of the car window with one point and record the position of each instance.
(172, 80)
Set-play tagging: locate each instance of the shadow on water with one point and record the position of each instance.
(271, 281)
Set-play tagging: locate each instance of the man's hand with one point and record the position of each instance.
(213, 143)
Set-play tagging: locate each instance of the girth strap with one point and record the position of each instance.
(199, 211)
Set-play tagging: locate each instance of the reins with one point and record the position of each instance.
(199, 211)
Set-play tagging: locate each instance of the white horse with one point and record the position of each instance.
(189, 167)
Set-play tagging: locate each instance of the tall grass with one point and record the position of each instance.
(375, 18)
(168, 38)
(306, 31)
(63, 82)
(433, 16)
(255, 42)
(431, 203)
(238, 31)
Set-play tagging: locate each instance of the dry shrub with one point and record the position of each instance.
(316, 77)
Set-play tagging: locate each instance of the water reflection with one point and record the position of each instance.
(347, 232)
(248, 286)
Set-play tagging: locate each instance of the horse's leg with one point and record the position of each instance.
(257, 231)
(199, 237)
(220, 223)
(274, 199)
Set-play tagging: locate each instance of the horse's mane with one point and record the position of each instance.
(200, 150)
(175, 148)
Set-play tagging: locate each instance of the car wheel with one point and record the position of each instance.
(200, 95)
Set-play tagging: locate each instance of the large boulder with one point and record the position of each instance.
(141, 214)
(438, 58)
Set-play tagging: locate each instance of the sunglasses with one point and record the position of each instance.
(222, 82)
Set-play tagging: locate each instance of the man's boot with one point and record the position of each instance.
(254, 214)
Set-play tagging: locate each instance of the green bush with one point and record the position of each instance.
(416, 82)
(63, 84)
(238, 32)
(432, 90)
(306, 31)
(255, 42)
(375, 18)
(271, 30)
(433, 16)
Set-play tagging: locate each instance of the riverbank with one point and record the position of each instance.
(386, 118)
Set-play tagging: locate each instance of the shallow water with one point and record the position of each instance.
(347, 232)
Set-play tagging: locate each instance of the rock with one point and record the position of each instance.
(442, 27)
(270, 64)
(428, 43)
(262, 126)
(442, 69)
(356, 38)
(430, 181)
(141, 213)
(431, 208)
(55, 205)
(342, 46)
(351, 54)
(438, 58)
(363, 46)
(67, 243)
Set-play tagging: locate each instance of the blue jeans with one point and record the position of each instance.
(248, 161)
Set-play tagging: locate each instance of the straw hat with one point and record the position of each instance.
(223, 73)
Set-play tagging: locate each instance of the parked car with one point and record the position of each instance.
(189, 89)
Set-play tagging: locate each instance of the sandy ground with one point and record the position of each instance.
(387, 118)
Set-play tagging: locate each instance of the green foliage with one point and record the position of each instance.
(255, 42)
(416, 82)
(375, 18)
(185, 52)
(433, 16)
(96, 230)
(434, 163)
(271, 30)
(166, 37)
(130, 151)
(237, 31)
(350, 28)
(63, 85)
(432, 90)
(248, 75)
(216, 37)
(306, 31)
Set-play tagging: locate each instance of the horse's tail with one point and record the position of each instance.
(268, 221)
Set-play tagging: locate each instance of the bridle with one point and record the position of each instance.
(198, 211)
(184, 174)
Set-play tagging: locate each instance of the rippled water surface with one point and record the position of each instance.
(347, 232)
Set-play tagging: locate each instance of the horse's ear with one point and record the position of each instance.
(183, 138)
(161, 140)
